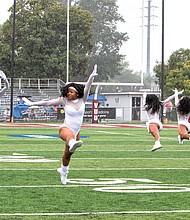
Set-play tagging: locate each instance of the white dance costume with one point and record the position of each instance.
(183, 120)
(155, 118)
(74, 109)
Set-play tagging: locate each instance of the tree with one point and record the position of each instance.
(106, 39)
(176, 72)
(41, 39)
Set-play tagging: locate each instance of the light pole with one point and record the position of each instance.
(148, 41)
(13, 60)
(67, 77)
(162, 64)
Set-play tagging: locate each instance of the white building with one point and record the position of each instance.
(129, 105)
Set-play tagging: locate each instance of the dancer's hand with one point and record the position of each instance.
(181, 92)
(178, 93)
(94, 73)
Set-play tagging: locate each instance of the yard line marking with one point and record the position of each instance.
(132, 150)
(81, 150)
(45, 186)
(130, 158)
(94, 213)
(72, 185)
(2, 160)
(86, 169)
(43, 160)
(25, 158)
(147, 168)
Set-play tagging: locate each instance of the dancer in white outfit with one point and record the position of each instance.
(154, 125)
(73, 100)
(4, 78)
(183, 113)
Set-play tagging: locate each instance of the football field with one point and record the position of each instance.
(114, 175)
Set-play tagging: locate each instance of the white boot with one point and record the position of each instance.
(156, 146)
(63, 172)
(73, 145)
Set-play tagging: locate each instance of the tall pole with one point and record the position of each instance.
(67, 77)
(162, 65)
(13, 60)
(148, 40)
(142, 43)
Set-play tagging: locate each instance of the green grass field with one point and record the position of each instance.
(114, 175)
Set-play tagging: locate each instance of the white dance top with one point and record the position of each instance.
(74, 109)
(151, 116)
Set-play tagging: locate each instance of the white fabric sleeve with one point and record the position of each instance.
(176, 97)
(89, 83)
(57, 101)
(173, 96)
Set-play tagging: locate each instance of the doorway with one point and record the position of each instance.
(136, 108)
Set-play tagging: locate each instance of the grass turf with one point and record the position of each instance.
(32, 188)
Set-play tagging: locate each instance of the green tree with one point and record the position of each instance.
(107, 40)
(41, 39)
(176, 72)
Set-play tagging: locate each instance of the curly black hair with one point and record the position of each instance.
(152, 102)
(183, 106)
(78, 87)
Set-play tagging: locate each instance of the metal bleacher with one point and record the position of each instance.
(35, 89)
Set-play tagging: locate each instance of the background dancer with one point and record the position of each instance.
(154, 125)
(183, 113)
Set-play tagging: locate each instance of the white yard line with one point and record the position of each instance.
(131, 158)
(81, 150)
(72, 185)
(95, 213)
(95, 169)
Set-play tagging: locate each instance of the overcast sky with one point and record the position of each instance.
(176, 31)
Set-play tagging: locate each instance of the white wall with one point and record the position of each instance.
(123, 104)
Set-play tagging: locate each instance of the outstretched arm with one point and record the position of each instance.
(89, 83)
(176, 93)
(3, 76)
(50, 102)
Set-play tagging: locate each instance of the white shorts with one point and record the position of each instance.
(156, 121)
